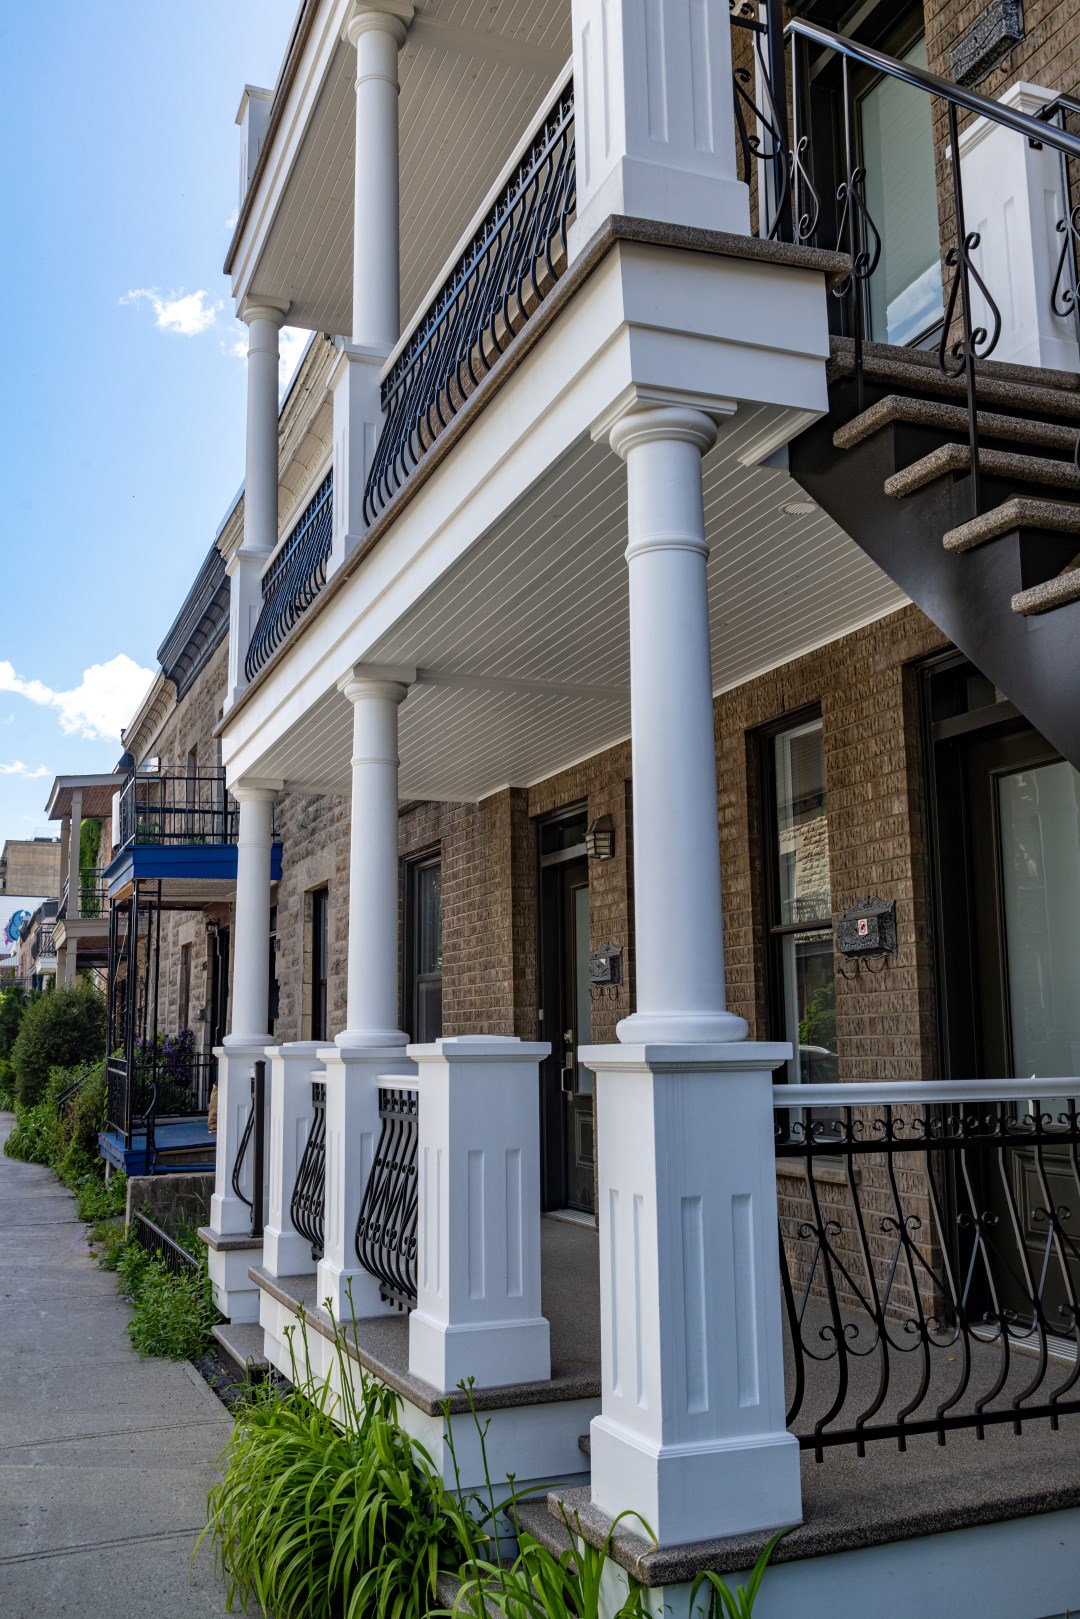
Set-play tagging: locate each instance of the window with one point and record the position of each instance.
(320, 957)
(800, 979)
(423, 948)
(185, 987)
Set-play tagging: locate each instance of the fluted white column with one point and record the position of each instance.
(679, 943)
(371, 1044)
(377, 33)
(264, 322)
(74, 847)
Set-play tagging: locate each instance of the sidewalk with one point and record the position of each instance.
(105, 1459)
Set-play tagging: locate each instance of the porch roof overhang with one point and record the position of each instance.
(497, 585)
(472, 78)
(190, 874)
(97, 796)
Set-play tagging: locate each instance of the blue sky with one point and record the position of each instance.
(122, 407)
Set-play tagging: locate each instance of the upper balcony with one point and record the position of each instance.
(175, 827)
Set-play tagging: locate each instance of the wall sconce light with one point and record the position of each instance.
(600, 839)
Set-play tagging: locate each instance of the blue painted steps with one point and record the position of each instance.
(188, 1137)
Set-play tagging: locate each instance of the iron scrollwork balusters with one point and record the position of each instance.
(294, 578)
(920, 1296)
(761, 119)
(386, 1229)
(253, 1132)
(513, 262)
(307, 1208)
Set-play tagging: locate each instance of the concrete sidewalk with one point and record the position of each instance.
(105, 1459)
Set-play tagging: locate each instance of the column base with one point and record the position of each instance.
(286, 1253)
(674, 1029)
(701, 1491)
(492, 1354)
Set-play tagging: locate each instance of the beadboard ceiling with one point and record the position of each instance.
(523, 648)
(473, 74)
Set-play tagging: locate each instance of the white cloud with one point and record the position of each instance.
(187, 313)
(98, 707)
(17, 768)
(230, 223)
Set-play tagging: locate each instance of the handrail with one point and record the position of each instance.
(1023, 123)
(898, 1093)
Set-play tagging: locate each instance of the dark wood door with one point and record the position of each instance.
(568, 1127)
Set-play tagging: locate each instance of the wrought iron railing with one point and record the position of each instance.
(513, 261)
(253, 1140)
(307, 1208)
(43, 942)
(386, 1229)
(930, 1259)
(970, 320)
(294, 578)
(93, 896)
(177, 805)
(69, 1093)
(161, 1080)
(161, 1247)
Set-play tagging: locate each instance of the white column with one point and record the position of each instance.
(65, 854)
(74, 844)
(71, 964)
(679, 945)
(377, 33)
(292, 1069)
(371, 1044)
(264, 322)
(692, 1426)
(248, 1034)
(654, 116)
(478, 1256)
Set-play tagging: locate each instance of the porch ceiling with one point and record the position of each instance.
(522, 649)
(472, 74)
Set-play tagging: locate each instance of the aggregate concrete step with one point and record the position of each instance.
(948, 418)
(242, 1341)
(1058, 592)
(1020, 512)
(1003, 464)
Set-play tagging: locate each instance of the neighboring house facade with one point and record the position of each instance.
(683, 529)
(31, 866)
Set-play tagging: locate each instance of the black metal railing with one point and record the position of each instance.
(307, 1208)
(93, 895)
(253, 1140)
(386, 1229)
(294, 578)
(970, 319)
(510, 266)
(70, 1092)
(162, 1247)
(162, 1080)
(930, 1261)
(177, 805)
(43, 943)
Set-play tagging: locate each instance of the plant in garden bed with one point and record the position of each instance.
(326, 1506)
(172, 1312)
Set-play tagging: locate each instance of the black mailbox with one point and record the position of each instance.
(605, 965)
(868, 929)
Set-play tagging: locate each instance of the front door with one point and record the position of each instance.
(1025, 836)
(566, 1019)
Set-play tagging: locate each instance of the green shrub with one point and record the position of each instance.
(100, 1199)
(173, 1312)
(108, 1239)
(34, 1138)
(61, 1030)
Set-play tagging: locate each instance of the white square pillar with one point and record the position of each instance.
(354, 382)
(230, 1216)
(352, 1130)
(654, 116)
(478, 1228)
(1013, 199)
(292, 1069)
(692, 1428)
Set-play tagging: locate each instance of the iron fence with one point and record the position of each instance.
(386, 1229)
(162, 1247)
(930, 1259)
(253, 1139)
(307, 1208)
(177, 805)
(294, 578)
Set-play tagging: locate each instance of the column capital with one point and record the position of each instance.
(251, 791)
(250, 309)
(680, 424)
(390, 682)
(392, 17)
